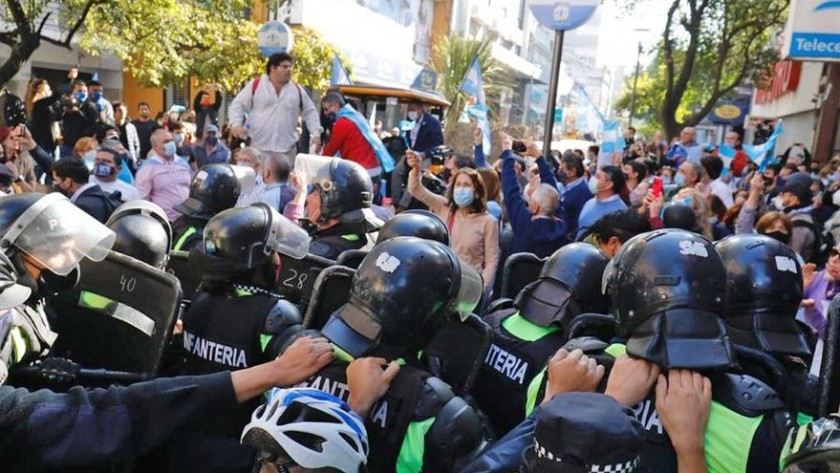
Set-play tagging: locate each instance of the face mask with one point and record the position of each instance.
(779, 236)
(81, 97)
(178, 139)
(95, 96)
(412, 115)
(777, 203)
(103, 170)
(212, 140)
(205, 101)
(679, 180)
(463, 196)
(561, 177)
(835, 199)
(89, 156)
(768, 181)
(593, 185)
(169, 149)
(780, 182)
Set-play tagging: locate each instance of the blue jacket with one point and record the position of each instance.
(429, 135)
(573, 201)
(220, 155)
(541, 236)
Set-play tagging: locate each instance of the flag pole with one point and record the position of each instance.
(552, 91)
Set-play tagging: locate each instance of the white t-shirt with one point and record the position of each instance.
(128, 191)
(723, 191)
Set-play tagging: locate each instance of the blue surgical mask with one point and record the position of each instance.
(463, 196)
(679, 180)
(95, 96)
(212, 140)
(81, 97)
(169, 149)
(178, 139)
(102, 170)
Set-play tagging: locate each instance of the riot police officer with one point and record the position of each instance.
(338, 206)
(214, 188)
(142, 232)
(764, 290)
(44, 237)
(814, 447)
(235, 321)
(402, 293)
(417, 223)
(527, 334)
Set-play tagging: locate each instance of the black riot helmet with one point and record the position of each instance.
(143, 232)
(668, 292)
(764, 290)
(814, 447)
(580, 266)
(243, 239)
(216, 187)
(343, 186)
(402, 293)
(417, 223)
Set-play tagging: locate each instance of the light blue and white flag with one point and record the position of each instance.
(339, 75)
(762, 154)
(473, 86)
(727, 154)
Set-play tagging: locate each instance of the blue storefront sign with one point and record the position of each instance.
(812, 30)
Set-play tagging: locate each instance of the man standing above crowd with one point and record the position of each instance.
(686, 149)
(275, 103)
(164, 178)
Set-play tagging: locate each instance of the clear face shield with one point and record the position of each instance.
(470, 291)
(285, 237)
(246, 176)
(316, 170)
(57, 234)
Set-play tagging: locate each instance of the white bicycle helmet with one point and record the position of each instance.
(308, 428)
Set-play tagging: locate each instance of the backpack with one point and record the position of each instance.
(112, 200)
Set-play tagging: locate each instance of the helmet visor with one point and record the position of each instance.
(247, 178)
(57, 234)
(314, 169)
(286, 237)
(470, 292)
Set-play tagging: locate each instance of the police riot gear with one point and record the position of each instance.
(343, 186)
(764, 290)
(142, 232)
(668, 290)
(814, 447)
(216, 187)
(416, 223)
(402, 293)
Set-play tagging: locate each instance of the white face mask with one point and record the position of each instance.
(835, 198)
(412, 115)
(777, 202)
(593, 185)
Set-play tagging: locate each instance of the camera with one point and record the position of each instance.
(439, 155)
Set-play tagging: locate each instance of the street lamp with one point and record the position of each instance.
(636, 78)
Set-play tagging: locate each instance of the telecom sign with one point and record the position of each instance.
(274, 37)
(562, 15)
(813, 30)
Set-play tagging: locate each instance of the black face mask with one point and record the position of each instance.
(768, 181)
(561, 177)
(779, 236)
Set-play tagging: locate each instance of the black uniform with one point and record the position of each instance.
(333, 241)
(188, 233)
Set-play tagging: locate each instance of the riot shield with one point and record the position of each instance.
(457, 351)
(119, 317)
(331, 291)
(351, 258)
(520, 270)
(190, 278)
(297, 277)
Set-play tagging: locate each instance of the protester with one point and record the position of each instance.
(605, 185)
(211, 150)
(72, 179)
(107, 165)
(164, 178)
(128, 132)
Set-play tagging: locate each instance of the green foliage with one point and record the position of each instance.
(313, 59)
(452, 58)
(708, 48)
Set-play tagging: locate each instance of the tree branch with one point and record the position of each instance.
(43, 22)
(19, 16)
(67, 41)
(9, 37)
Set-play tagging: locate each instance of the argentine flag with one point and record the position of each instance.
(339, 76)
(727, 154)
(612, 141)
(473, 86)
(762, 154)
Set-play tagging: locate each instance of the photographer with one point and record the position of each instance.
(474, 233)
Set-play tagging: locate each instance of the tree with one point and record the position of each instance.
(452, 57)
(708, 48)
(313, 59)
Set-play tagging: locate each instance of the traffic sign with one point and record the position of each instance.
(562, 15)
(274, 37)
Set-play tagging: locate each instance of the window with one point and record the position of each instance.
(179, 94)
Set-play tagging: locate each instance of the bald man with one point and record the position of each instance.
(687, 149)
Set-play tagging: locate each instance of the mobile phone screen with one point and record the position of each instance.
(656, 187)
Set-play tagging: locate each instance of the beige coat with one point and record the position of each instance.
(474, 237)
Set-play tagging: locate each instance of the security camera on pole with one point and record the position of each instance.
(559, 16)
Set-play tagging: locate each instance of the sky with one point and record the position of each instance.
(619, 39)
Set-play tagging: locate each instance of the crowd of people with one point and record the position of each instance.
(675, 324)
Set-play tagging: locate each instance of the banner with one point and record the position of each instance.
(473, 86)
(339, 75)
(762, 154)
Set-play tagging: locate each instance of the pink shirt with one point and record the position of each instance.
(166, 183)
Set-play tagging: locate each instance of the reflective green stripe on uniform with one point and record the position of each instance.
(19, 344)
(803, 419)
(414, 447)
(94, 301)
(351, 237)
(729, 438)
(523, 329)
(180, 243)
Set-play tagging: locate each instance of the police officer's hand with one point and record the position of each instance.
(683, 402)
(367, 381)
(305, 357)
(631, 380)
(572, 372)
(412, 159)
